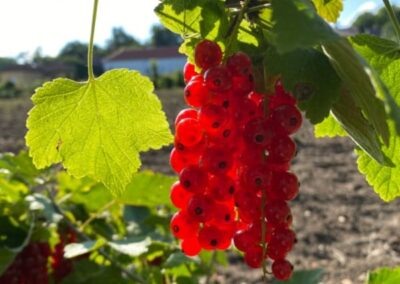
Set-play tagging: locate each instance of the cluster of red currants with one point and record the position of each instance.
(29, 266)
(232, 153)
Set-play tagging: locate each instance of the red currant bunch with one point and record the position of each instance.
(60, 265)
(232, 153)
(29, 266)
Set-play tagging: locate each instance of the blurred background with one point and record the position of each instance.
(336, 214)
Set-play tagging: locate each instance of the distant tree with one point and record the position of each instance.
(39, 59)
(5, 61)
(377, 24)
(75, 54)
(160, 36)
(119, 38)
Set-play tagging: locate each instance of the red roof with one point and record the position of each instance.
(144, 53)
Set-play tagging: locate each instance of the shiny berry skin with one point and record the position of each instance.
(201, 208)
(278, 213)
(189, 72)
(216, 160)
(211, 237)
(258, 132)
(196, 93)
(282, 149)
(254, 256)
(186, 113)
(284, 186)
(179, 196)
(182, 226)
(218, 79)
(189, 132)
(244, 239)
(179, 160)
(239, 64)
(221, 187)
(282, 269)
(287, 119)
(256, 230)
(212, 117)
(191, 246)
(193, 179)
(284, 238)
(224, 216)
(207, 54)
(242, 85)
(255, 178)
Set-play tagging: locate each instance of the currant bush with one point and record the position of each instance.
(232, 153)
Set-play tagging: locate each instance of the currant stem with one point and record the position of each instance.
(91, 42)
(393, 18)
(263, 232)
(234, 31)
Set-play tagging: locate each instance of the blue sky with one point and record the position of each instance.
(28, 24)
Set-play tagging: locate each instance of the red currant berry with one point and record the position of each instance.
(284, 186)
(216, 160)
(284, 238)
(193, 179)
(207, 54)
(179, 160)
(201, 208)
(282, 150)
(224, 216)
(254, 256)
(186, 113)
(244, 239)
(191, 246)
(218, 79)
(189, 72)
(179, 196)
(196, 93)
(257, 132)
(189, 132)
(239, 64)
(211, 238)
(182, 226)
(282, 269)
(212, 117)
(287, 119)
(278, 213)
(255, 178)
(221, 187)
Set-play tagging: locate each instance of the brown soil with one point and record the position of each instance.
(342, 225)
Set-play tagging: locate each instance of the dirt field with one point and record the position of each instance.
(342, 225)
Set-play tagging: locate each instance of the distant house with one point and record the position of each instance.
(167, 60)
(26, 76)
(22, 76)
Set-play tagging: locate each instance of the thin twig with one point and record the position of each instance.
(95, 215)
(211, 266)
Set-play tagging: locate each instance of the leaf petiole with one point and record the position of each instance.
(91, 42)
(393, 18)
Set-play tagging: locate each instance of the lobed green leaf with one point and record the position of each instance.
(384, 275)
(329, 127)
(98, 128)
(329, 9)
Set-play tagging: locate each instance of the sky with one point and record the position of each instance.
(26, 25)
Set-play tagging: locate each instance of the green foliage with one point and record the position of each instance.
(97, 129)
(304, 277)
(329, 9)
(8, 90)
(384, 275)
(351, 70)
(329, 127)
(308, 74)
(304, 29)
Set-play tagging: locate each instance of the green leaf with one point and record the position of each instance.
(377, 51)
(76, 249)
(297, 25)
(87, 272)
(385, 180)
(329, 127)
(358, 128)
(132, 246)
(352, 70)
(380, 53)
(304, 277)
(20, 167)
(194, 18)
(329, 9)
(308, 74)
(384, 275)
(148, 189)
(98, 128)
(176, 259)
